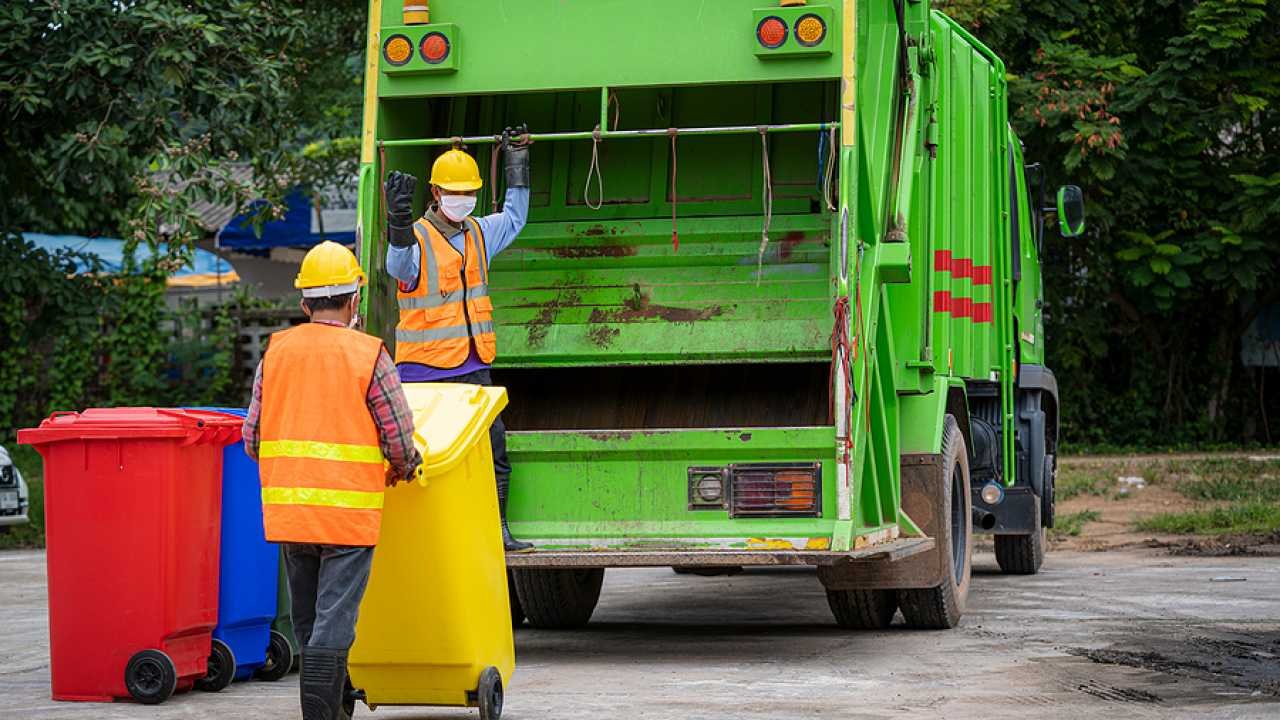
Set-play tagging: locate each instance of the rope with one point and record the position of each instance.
(840, 348)
(675, 232)
(768, 203)
(830, 170)
(617, 108)
(595, 167)
(382, 182)
(493, 172)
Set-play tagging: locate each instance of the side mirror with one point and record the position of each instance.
(1070, 211)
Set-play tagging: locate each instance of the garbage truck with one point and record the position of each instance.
(778, 301)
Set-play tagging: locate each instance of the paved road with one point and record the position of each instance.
(1097, 635)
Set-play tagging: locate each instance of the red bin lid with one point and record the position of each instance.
(193, 426)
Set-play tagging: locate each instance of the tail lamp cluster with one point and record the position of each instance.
(810, 30)
(434, 48)
(758, 489)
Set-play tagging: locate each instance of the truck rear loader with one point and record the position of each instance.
(778, 301)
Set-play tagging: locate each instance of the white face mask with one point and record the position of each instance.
(457, 207)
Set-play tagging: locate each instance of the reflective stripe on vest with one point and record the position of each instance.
(354, 499)
(320, 451)
(449, 310)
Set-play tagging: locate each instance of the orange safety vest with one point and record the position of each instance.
(319, 455)
(450, 307)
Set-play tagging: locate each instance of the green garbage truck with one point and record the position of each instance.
(778, 301)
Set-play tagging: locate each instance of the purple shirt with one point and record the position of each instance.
(413, 372)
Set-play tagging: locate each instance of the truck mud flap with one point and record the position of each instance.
(924, 503)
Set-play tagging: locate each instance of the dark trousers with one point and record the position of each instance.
(327, 583)
(497, 431)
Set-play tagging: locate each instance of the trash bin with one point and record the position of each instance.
(282, 628)
(249, 570)
(132, 500)
(435, 624)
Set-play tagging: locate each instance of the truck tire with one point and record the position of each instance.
(940, 608)
(1022, 554)
(558, 599)
(863, 609)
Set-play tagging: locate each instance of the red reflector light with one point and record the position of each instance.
(771, 32)
(434, 47)
(776, 490)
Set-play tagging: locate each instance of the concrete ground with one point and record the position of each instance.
(1096, 635)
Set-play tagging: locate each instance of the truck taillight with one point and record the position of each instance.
(810, 30)
(776, 490)
(397, 50)
(434, 48)
(771, 32)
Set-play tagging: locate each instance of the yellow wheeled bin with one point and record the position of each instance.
(435, 622)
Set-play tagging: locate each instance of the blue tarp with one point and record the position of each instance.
(110, 252)
(299, 228)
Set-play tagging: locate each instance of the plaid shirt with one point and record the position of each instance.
(387, 405)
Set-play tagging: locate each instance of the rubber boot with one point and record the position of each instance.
(511, 544)
(323, 684)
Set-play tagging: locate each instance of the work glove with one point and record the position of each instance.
(399, 188)
(515, 149)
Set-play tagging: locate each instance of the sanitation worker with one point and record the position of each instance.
(441, 263)
(327, 411)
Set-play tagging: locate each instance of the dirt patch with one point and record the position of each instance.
(602, 336)
(537, 327)
(1246, 661)
(639, 307)
(594, 251)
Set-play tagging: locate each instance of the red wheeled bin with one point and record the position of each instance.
(132, 506)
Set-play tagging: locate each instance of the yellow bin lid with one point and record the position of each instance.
(449, 419)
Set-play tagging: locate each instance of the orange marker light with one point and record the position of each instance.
(434, 47)
(397, 50)
(771, 32)
(810, 30)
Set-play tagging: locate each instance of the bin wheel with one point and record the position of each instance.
(489, 694)
(151, 677)
(221, 668)
(279, 658)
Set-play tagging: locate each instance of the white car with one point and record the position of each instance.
(14, 498)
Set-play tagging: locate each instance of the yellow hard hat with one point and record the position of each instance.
(456, 171)
(329, 269)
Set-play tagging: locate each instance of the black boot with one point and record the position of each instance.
(511, 544)
(323, 684)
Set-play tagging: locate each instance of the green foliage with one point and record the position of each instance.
(1072, 524)
(1231, 479)
(1167, 112)
(1250, 517)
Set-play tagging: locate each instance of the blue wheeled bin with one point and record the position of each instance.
(250, 568)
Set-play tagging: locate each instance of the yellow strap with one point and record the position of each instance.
(320, 451)
(353, 499)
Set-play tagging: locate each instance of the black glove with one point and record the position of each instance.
(515, 148)
(400, 187)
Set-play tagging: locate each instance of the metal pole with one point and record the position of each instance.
(619, 134)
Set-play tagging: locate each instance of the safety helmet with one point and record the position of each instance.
(456, 171)
(329, 269)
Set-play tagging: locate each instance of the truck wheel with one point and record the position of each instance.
(1022, 554)
(558, 599)
(1047, 499)
(863, 609)
(940, 607)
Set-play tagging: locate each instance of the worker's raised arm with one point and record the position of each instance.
(402, 246)
(501, 229)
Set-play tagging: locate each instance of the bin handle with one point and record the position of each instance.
(181, 415)
(63, 413)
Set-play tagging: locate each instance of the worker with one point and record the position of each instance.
(441, 264)
(327, 412)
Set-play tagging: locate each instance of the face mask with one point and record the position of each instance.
(457, 207)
